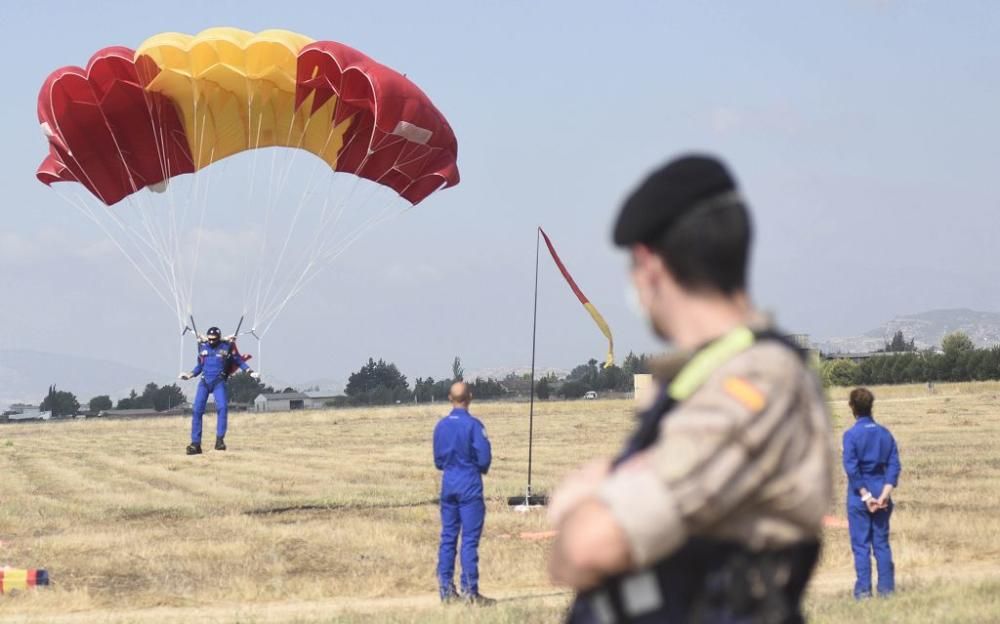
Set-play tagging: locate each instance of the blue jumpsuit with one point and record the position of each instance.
(212, 363)
(462, 451)
(870, 461)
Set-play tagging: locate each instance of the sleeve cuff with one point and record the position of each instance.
(646, 511)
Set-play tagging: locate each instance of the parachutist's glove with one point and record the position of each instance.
(184, 376)
(254, 374)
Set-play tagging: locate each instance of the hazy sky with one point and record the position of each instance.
(864, 134)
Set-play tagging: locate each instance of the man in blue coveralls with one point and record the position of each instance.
(871, 462)
(462, 451)
(217, 358)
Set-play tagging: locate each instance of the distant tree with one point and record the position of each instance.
(953, 364)
(423, 390)
(992, 363)
(377, 383)
(457, 372)
(428, 390)
(916, 370)
(147, 400)
(956, 343)
(543, 389)
(518, 384)
(898, 344)
(288, 390)
(586, 374)
(99, 403)
(154, 397)
(168, 397)
(635, 364)
(244, 388)
(632, 365)
(440, 390)
(840, 373)
(60, 403)
(610, 378)
(129, 402)
(573, 389)
(489, 388)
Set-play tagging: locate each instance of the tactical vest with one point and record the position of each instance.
(705, 581)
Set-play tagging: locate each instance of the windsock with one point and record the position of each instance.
(594, 314)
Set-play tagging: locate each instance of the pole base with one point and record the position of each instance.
(531, 500)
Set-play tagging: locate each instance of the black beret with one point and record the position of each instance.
(667, 194)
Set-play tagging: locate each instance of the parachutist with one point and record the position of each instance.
(217, 360)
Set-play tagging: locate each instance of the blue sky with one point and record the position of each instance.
(864, 134)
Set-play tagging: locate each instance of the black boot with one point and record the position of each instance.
(479, 600)
(449, 595)
(194, 449)
(220, 443)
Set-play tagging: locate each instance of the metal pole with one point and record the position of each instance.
(534, 328)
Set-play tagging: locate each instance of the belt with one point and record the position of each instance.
(706, 581)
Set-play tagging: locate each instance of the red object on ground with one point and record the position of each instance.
(19, 578)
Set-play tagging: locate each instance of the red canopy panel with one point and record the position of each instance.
(398, 137)
(106, 132)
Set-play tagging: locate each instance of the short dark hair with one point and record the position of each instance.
(861, 401)
(709, 247)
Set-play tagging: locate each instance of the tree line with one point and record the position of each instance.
(242, 389)
(378, 382)
(901, 362)
(381, 383)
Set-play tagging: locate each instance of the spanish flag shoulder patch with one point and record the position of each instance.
(745, 392)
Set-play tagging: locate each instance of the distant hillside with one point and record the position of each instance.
(500, 373)
(926, 329)
(325, 385)
(26, 375)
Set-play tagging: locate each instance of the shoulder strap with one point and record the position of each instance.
(708, 360)
(693, 376)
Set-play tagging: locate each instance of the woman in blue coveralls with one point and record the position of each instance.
(217, 358)
(871, 462)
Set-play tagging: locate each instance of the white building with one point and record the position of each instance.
(24, 411)
(280, 402)
(319, 400)
(33, 413)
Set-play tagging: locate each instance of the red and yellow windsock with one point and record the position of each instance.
(594, 314)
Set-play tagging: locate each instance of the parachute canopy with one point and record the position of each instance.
(133, 119)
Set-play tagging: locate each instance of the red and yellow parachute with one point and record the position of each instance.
(135, 118)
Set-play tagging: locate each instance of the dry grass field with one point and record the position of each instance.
(329, 517)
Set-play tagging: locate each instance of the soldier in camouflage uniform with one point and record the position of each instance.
(713, 510)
